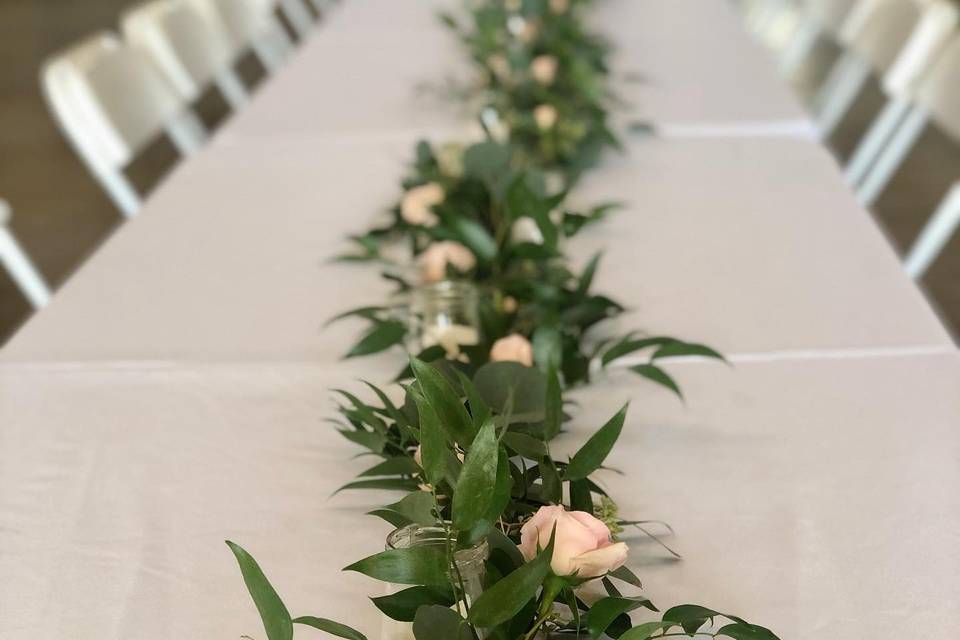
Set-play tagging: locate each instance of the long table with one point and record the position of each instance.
(173, 394)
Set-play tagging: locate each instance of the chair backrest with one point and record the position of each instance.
(188, 46)
(109, 97)
(878, 30)
(110, 100)
(939, 91)
(931, 34)
(250, 24)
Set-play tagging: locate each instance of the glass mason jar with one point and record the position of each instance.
(445, 314)
(469, 579)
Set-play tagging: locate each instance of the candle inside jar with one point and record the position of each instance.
(451, 337)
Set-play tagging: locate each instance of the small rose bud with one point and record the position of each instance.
(526, 229)
(582, 546)
(544, 69)
(559, 7)
(417, 204)
(545, 116)
(513, 348)
(509, 304)
(434, 261)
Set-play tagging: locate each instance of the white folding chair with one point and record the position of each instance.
(298, 15)
(933, 32)
(819, 18)
(191, 49)
(111, 101)
(936, 97)
(251, 24)
(874, 35)
(24, 274)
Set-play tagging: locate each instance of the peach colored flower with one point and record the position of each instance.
(417, 204)
(544, 69)
(545, 116)
(559, 7)
(582, 546)
(434, 261)
(513, 348)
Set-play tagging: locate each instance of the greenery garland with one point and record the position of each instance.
(470, 441)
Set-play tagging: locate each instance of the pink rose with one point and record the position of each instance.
(545, 116)
(582, 546)
(513, 348)
(544, 69)
(434, 261)
(417, 204)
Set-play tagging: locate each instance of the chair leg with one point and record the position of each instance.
(892, 157)
(935, 235)
(836, 97)
(876, 137)
(187, 133)
(801, 45)
(24, 273)
(120, 191)
(232, 89)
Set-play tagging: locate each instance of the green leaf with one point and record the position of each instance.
(554, 406)
(646, 630)
(486, 161)
(592, 454)
(502, 487)
(628, 346)
(424, 565)
(380, 484)
(445, 402)
(367, 439)
(396, 466)
(476, 238)
(626, 575)
(381, 337)
(658, 375)
(433, 442)
(527, 446)
(273, 613)
(403, 605)
(434, 622)
(478, 408)
(745, 631)
(676, 349)
(417, 507)
(370, 313)
(586, 278)
(689, 616)
(331, 627)
(580, 497)
(499, 382)
(547, 347)
(510, 595)
(605, 611)
(471, 500)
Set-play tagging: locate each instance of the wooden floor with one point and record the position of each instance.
(61, 215)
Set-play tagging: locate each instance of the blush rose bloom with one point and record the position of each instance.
(559, 7)
(545, 116)
(417, 204)
(582, 546)
(513, 348)
(544, 69)
(434, 261)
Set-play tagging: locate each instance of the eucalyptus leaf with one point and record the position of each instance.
(423, 565)
(606, 610)
(403, 605)
(676, 349)
(273, 613)
(745, 631)
(499, 382)
(417, 507)
(471, 500)
(382, 336)
(445, 401)
(592, 454)
(331, 627)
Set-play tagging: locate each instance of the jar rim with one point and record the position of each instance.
(399, 539)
